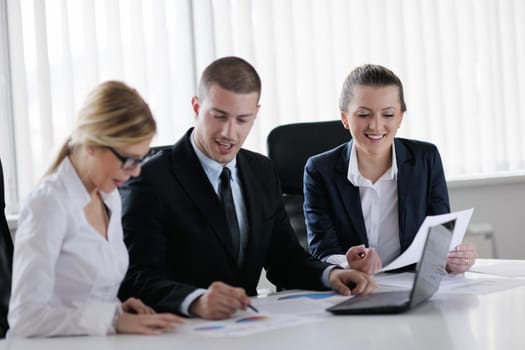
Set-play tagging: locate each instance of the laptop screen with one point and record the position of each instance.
(433, 262)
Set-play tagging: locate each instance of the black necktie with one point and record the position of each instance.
(229, 208)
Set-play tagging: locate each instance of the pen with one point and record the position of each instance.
(363, 253)
(253, 307)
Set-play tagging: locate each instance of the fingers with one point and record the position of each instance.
(364, 283)
(134, 305)
(356, 252)
(459, 264)
(162, 321)
(220, 301)
(364, 259)
(147, 323)
(462, 258)
(154, 324)
(341, 279)
(372, 262)
(454, 267)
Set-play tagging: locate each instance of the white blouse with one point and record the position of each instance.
(66, 275)
(379, 204)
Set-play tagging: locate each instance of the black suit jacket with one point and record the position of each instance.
(6, 260)
(333, 205)
(176, 231)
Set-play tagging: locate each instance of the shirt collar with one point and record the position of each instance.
(355, 177)
(75, 187)
(73, 183)
(212, 168)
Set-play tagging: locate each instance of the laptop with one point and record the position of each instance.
(429, 271)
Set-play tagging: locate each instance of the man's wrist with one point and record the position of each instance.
(188, 301)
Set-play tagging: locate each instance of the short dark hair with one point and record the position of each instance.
(230, 73)
(369, 75)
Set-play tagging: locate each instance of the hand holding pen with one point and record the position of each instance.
(220, 301)
(364, 259)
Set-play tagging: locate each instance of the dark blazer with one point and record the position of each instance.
(176, 231)
(6, 260)
(332, 205)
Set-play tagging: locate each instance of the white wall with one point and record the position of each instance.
(498, 202)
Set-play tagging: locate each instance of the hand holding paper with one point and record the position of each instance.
(413, 253)
(461, 258)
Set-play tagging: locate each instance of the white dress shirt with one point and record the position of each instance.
(379, 204)
(66, 275)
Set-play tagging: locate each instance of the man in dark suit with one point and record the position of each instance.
(199, 238)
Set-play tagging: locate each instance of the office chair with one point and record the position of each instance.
(156, 149)
(6, 260)
(290, 146)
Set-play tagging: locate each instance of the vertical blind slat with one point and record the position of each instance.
(43, 86)
(463, 87)
(24, 164)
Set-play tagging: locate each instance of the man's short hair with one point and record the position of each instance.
(230, 73)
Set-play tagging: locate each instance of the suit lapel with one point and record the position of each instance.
(188, 171)
(404, 179)
(350, 194)
(251, 191)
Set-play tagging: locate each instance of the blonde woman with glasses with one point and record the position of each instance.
(69, 257)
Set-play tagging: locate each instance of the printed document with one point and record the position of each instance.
(414, 251)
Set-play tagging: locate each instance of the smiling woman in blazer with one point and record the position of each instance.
(365, 199)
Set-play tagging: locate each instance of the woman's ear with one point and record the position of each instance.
(90, 149)
(344, 120)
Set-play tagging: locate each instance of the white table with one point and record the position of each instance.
(447, 321)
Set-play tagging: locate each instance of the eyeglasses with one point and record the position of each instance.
(127, 163)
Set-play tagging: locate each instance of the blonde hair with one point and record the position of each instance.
(113, 115)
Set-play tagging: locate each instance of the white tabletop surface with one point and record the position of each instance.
(450, 320)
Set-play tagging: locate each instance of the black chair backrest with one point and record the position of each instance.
(6, 260)
(155, 149)
(290, 146)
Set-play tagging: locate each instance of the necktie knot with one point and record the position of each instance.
(226, 174)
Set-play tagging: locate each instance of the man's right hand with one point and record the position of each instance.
(363, 259)
(219, 302)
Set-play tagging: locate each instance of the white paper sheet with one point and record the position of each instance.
(452, 283)
(276, 311)
(480, 285)
(304, 303)
(243, 325)
(514, 268)
(415, 250)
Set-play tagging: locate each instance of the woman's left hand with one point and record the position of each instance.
(462, 258)
(136, 306)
